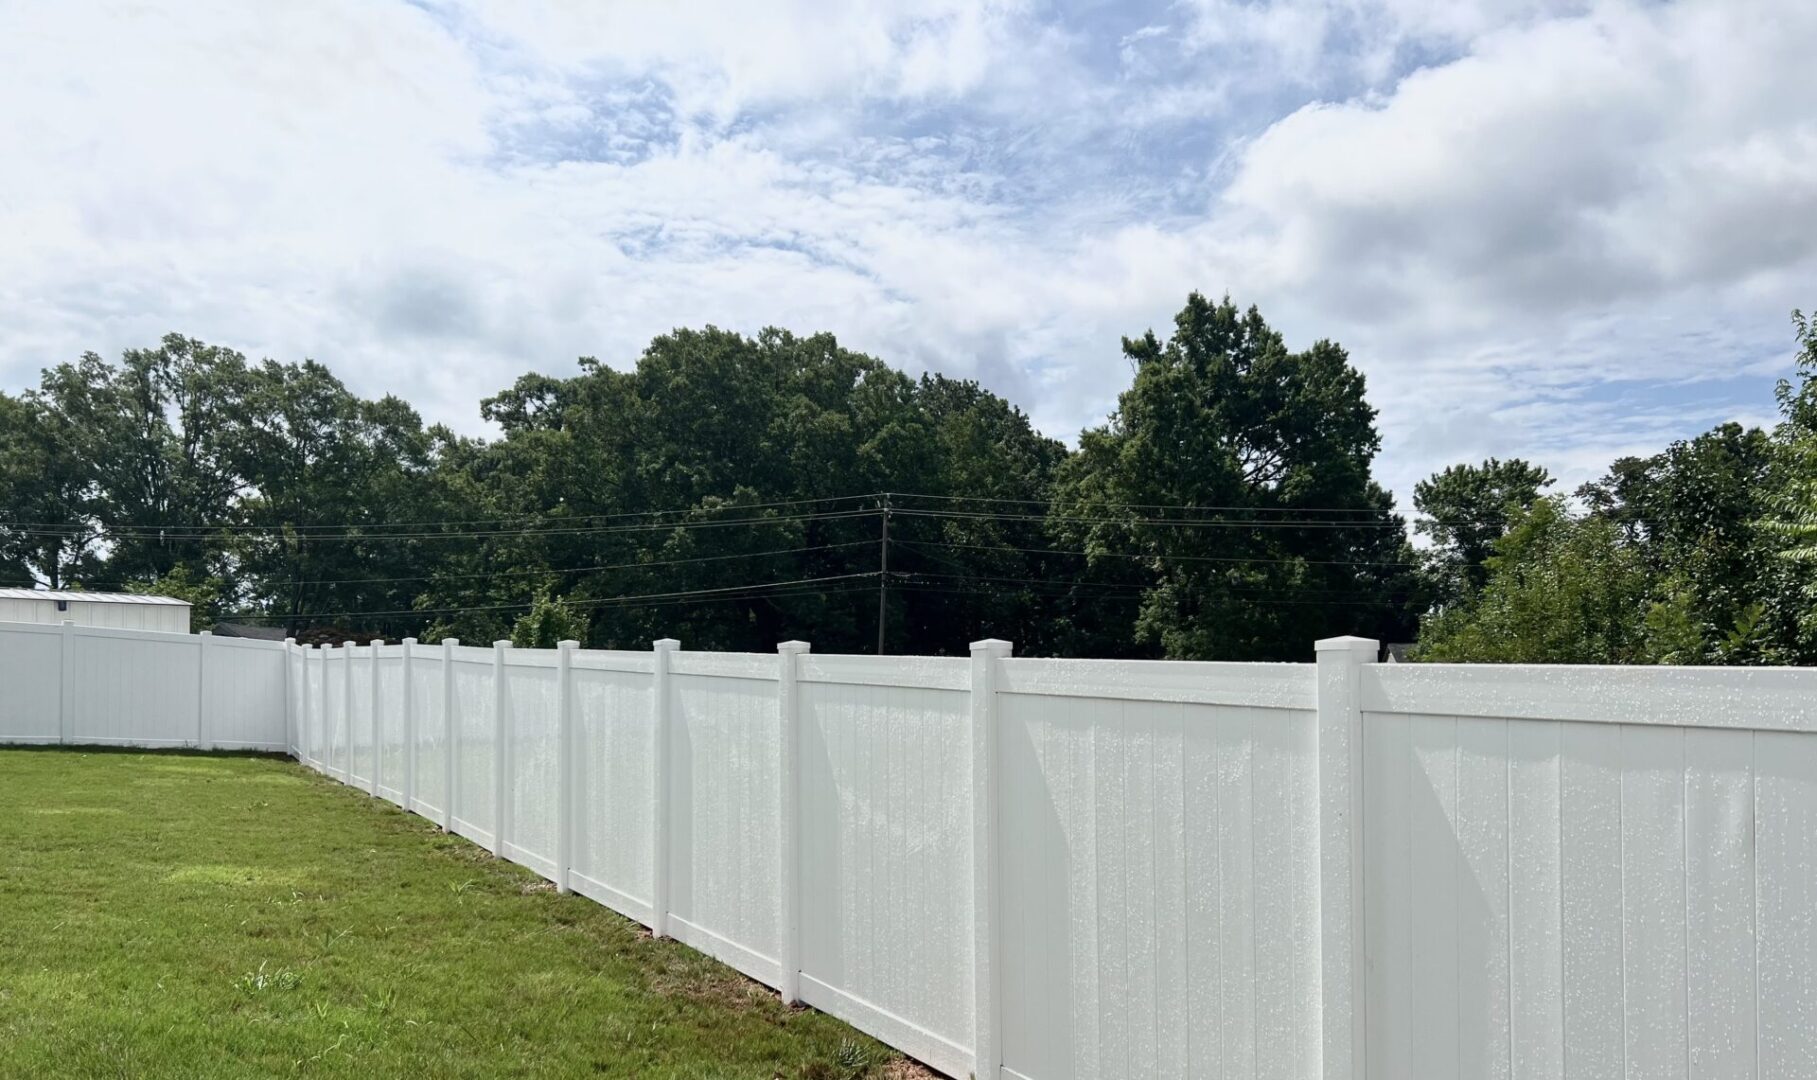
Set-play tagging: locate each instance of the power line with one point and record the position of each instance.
(575, 569)
(205, 527)
(1210, 523)
(756, 589)
(1163, 558)
(1141, 588)
(568, 524)
(1256, 601)
(153, 533)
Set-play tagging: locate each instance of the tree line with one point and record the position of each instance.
(737, 491)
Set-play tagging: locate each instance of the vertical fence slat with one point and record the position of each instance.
(1340, 774)
(567, 782)
(451, 741)
(659, 852)
(987, 968)
(788, 820)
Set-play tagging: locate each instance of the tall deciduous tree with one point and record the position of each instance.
(1465, 509)
(1561, 589)
(1292, 540)
(1791, 525)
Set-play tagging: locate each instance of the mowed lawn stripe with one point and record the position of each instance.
(167, 914)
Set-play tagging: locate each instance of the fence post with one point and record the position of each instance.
(788, 712)
(451, 736)
(501, 753)
(204, 734)
(66, 681)
(987, 972)
(567, 784)
(293, 722)
(347, 712)
(372, 715)
(659, 746)
(1340, 787)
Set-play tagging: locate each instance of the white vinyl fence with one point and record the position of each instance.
(1043, 869)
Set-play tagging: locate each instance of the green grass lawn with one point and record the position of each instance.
(181, 915)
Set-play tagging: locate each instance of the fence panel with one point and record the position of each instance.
(1159, 870)
(885, 849)
(534, 781)
(389, 752)
(613, 734)
(134, 688)
(431, 731)
(315, 734)
(722, 827)
(1577, 897)
(360, 745)
(476, 725)
(243, 694)
(30, 702)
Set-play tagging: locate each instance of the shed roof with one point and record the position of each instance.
(89, 597)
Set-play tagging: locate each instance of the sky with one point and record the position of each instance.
(1566, 230)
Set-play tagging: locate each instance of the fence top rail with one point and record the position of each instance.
(1267, 686)
(913, 672)
(30, 628)
(613, 660)
(729, 665)
(1760, 699)
(256, 644)
(531, 658)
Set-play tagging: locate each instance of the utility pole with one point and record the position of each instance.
(883, 575)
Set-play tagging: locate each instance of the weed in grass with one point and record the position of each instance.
(853, 1059)
(254, 982)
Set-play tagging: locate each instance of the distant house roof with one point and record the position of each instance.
(89, 597)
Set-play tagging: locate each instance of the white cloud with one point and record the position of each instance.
(1533, 243)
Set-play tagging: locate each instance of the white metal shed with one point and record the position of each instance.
(124, 611)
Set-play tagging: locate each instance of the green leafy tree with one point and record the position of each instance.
(1790, 526)
(157, 431)
(1465, 509)
(204, 595)
(1560, 590)
(1294, 540)
(757, 447)
(1689, 512)
(549, 622)
(49, 530)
